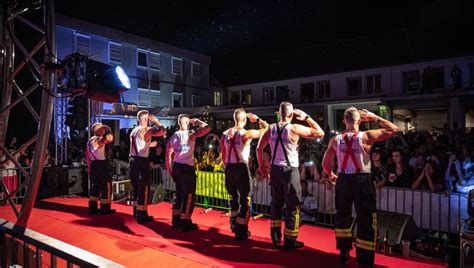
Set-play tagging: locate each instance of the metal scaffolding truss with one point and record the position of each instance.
(61, 130)
(17, 60)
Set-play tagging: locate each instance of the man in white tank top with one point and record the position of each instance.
(139, 163)
(180, 165)
(284, 175)
(99, 171)
(354, 182)
(235, 149)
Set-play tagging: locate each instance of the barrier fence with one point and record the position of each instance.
(430, 210)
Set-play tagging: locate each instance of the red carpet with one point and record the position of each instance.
(119, 238)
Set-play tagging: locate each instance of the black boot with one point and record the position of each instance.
(93, 208)
(292, 244)
(276, 238)
(105, 209)
(344, 256)
(188, 225)
(241, 232)
(176, 221)
(143, 217)
(135, 212)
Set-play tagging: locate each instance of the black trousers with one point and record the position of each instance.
(140, 177)
(358, 189)
(100, 183)
(285, 191)
(184, 177)
(238, 183)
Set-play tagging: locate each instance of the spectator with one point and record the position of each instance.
(429, 178)
(399, 173)
(266, 166)
(8, 173)
(157, 158)
(23, 158)
(454, 177)
(417, 162)
(456, 76)
(309, 207)
(378, 168)
(308, 171)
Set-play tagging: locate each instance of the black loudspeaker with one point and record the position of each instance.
(115, 126)
(400, 227)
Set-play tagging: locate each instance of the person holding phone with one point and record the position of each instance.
(354, 182)
(235, 147)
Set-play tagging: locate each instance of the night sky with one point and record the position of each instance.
(238, 34)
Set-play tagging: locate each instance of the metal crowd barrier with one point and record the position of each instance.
(16, 175)
(28, 248)
(430, 210)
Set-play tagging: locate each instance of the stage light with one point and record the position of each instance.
(96, 80)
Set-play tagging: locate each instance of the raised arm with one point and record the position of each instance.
(105, 136)
(202, 130)
(314, 131)
(387, 130)
(262, 143)
(255, 133)
(169, 157)
(156, 131)
(328, 158)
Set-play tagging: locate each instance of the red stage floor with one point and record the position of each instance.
(118, 238)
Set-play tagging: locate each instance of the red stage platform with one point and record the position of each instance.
(119, 238)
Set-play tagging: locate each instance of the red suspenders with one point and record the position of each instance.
(349, 152)
(232, 146)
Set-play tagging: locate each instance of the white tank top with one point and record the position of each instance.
(97, 153)
(183, 147)
(359, 155)
(290, 148)
(242, 149)
(138, 146)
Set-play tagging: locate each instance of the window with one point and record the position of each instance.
(177, 100)
(83, 44)
(176, 65)
(268, 95)
(115, 53)
(307, 92)
(154, 98)
(247, 96)
(148, 97)
(354, 86)
(411, 81)
(196, 101)
(374, 84)
(142, 58)
(195, 69)
(282, 93)
(235, 97)
(155, 60)
(324, 88)
(217, 98)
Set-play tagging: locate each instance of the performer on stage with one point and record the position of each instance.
(99, 171)
(181, 145)
(235, 148)
(284, 174)
(354, 182)
(140, 174)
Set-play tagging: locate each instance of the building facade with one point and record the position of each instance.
(161, 75)
(418, 95)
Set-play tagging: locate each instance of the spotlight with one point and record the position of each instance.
(97, 80)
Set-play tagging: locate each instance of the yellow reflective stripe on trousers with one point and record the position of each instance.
(291, 233)
(374, 225)
(297, 218)
(368, 245)
(105, 201)
(346, 232)
(93, 198)
(275, 223)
